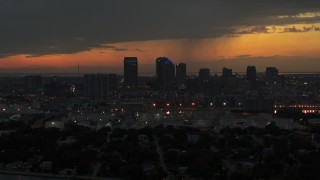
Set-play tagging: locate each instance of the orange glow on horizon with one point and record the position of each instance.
(180, 50)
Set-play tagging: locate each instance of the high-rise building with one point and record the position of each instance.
(204, 75)
(226, 72)
(272, 73)
(229, 81)
(99, 85)
(251, 73)
(204, 80)
(56, 88)
(6, 85)
(192, 84)
(130, 71)
(112, 82)
(181, 74)
(32, 83)
(165, 74)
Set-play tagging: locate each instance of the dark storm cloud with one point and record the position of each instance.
(114, 48)
(243, 56)
(256, 29)
(303, 29)
(273, 29)
(43, 27)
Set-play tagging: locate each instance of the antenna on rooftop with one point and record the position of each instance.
(78, 71)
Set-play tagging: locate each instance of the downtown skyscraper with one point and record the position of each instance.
(181, 74)
(130, 69)
(165, 74)
(251, 73)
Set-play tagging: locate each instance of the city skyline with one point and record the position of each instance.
(131, 66)
(159, 89)
(55, 36)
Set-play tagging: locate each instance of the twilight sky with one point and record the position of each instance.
(53, 36)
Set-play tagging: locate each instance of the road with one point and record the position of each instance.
(58, 176)
(160, 153)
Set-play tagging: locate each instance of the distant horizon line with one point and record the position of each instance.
(140, 74)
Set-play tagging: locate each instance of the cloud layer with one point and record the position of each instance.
(44, 27)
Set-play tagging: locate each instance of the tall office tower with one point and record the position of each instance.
(6, 84)
(226, 72)
(130, 71)
(204, 75)
(165, 74)
(181, 74)
(229, 81)
(32, 83)
(204, 80)
(99, 85)
(272, 73)
(192, 84)
(112, 82)
(251, 73)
